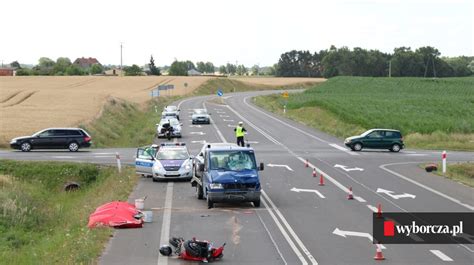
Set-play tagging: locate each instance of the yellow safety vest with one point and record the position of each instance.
(239, 132)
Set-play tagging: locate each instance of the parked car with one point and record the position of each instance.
(376, 139)
(166, 161)
(53, 138)
(227, 172)
(176, 132)
(170, 112)
(200, 116)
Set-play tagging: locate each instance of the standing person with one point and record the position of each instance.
(239, 133)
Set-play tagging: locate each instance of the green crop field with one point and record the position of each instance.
(431, 113)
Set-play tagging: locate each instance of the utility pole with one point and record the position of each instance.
(121, 57)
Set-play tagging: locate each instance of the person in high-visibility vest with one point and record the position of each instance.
(239, 133)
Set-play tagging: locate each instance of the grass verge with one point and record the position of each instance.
(431, 114)
(41, 224)
(459, 172)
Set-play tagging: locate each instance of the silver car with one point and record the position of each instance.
(201, 116)
(170, 112)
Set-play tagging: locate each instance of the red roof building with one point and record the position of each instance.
(86, 62)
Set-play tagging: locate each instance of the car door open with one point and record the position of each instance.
(144, 161)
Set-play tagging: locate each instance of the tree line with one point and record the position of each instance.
(422, 62)
(62, 66)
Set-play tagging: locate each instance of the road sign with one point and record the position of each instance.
(165, 87)
(220, 92)
(285, 94)
(155, 93)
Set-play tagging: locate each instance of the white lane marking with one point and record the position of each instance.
(285, 166)
(441, 255)
(165, 227)
(344, 234)
(396, 197)
(307, 190)
(63, 157)
(372, 208)
(359, 199)
(195, 126)
(343, 149)
(425, 187)
(285, 234)
(219, 133)
(288, 227)
(199, 133)
(271, 237)
(348, 169)
(199, 142)
(227, 120)
(251, 142)
(224, 116)
(326, 176)
(104, 154)
(221, 112)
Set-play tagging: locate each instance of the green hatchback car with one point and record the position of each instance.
(376, 139)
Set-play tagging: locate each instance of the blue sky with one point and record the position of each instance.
(243, 31)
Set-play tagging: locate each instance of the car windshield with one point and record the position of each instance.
(169, 154)
(366, 133)
(200, 111)
(171, 108)
(232, 160)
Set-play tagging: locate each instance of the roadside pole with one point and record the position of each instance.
(443, 156)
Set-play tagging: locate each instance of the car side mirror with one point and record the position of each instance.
(261, 167)
(201, 167)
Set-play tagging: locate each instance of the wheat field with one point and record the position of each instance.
(31, 103)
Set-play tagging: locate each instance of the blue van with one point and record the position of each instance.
(226, 172)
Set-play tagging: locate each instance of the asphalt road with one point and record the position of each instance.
(292, 226)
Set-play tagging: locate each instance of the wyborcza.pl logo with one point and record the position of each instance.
(423, 228)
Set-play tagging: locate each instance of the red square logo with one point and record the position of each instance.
(388, 228)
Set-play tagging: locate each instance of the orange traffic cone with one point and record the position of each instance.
(349, 196)
(379, 211)
(379, 254)
(321, 180)
(314, 172)
(306, 164)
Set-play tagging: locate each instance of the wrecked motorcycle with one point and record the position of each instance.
(195, 250)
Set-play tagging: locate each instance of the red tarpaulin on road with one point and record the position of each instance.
(116, 214)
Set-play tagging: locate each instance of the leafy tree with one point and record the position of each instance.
(96, 69)
(74, 70)
(231, 68)
(201, 67)
(210, 68)
(222, 70)
(241, 70)
(189, 65)
(178, 68)
(133, 70)
(153, 69)
(45, 62)
(62, 63)
(15, 64)
(255, 70)
(460, 65)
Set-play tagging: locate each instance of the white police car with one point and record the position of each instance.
(166, 161)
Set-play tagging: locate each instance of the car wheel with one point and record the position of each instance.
(25, 147)
(256, 203)
(73, 147)
(199, 191)
(357, 147)
(155, 179)
(395, 148)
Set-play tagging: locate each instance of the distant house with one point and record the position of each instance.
(86, 63)
(7, 71)
(194, 72)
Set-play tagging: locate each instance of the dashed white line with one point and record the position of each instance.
(441, 255)
(343, 149)
(359, 199)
